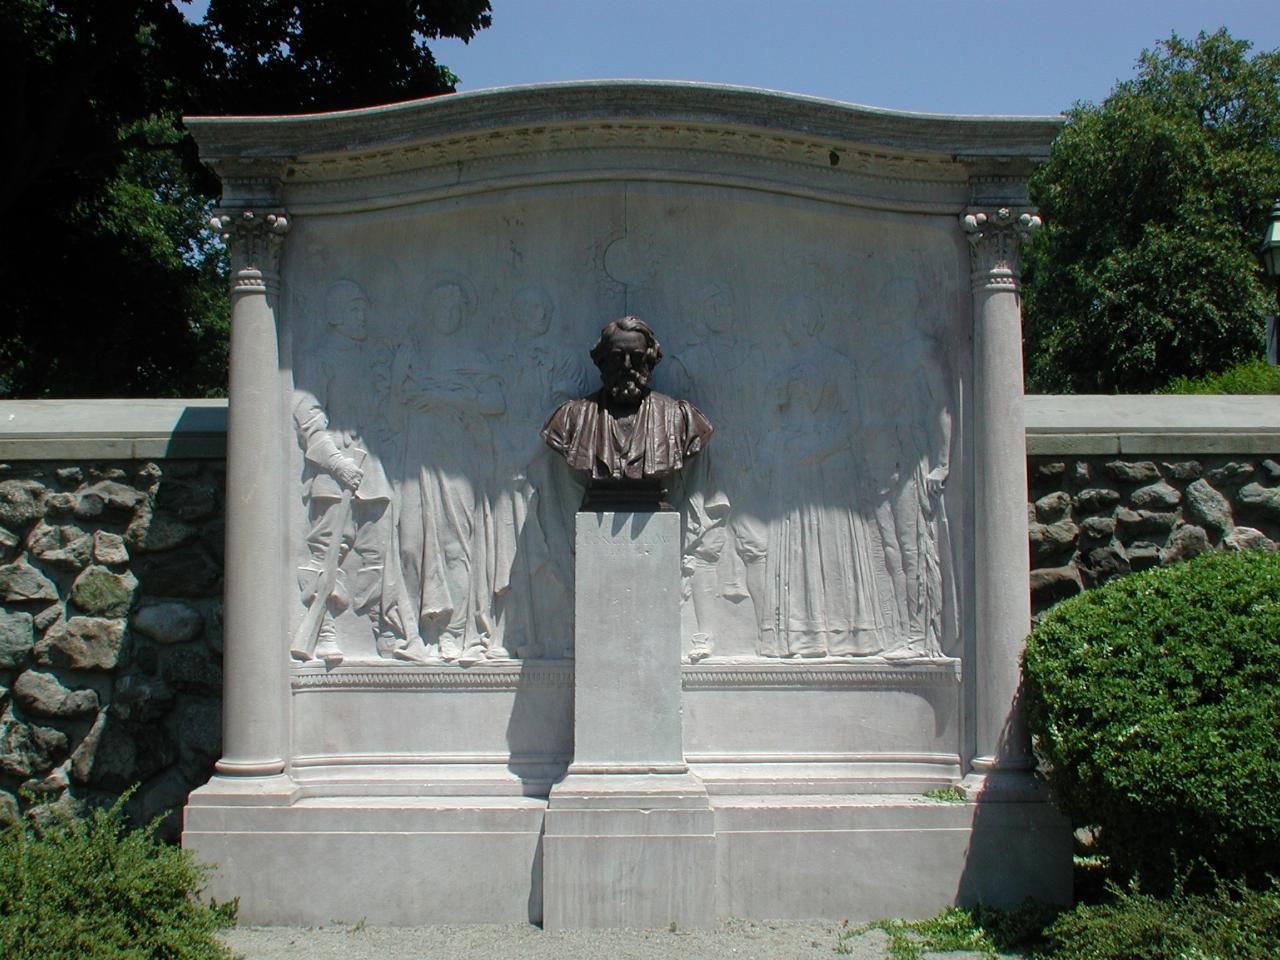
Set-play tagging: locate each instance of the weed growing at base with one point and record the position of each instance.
(946, 795)
(982, 930)
(1231, 922)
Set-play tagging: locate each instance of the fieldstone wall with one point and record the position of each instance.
(110, 631)
(1093, 518)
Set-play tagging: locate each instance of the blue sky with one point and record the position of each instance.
(934, 56)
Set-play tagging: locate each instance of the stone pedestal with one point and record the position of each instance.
(630, 835)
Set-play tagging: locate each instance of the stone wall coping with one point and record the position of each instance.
(1056, 425)
(293, 139)
(112, 429)
(1144, 425)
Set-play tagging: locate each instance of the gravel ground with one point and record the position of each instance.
(731, 940)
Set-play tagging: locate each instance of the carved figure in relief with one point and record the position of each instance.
(532, 501)
(347, 493)
(711, 371)
(820, 585)
(625, 437)
(445, 541)
(908, 456)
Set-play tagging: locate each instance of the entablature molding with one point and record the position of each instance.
(667, 123)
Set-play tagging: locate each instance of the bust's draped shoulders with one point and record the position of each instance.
(666, 432)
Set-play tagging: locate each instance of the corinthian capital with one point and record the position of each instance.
(995, 239)
(254, 239)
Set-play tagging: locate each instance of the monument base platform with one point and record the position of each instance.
(629, 850)
(385, 860)
(598, 857)
(862, 858)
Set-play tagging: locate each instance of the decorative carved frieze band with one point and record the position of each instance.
(995, 240)
(254, 239)
(516, 159)
(438, 678)
(878, 675)
(882, 675)
(829, 155)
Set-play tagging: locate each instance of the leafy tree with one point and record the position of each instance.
(114, 287)
(1154, 206)
(99, 297)
(295, 57)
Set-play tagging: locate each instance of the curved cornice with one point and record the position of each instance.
(322, 146)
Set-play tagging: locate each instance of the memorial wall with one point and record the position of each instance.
(828, 620)
(129, 495)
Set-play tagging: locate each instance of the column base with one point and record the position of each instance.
(262, 790)
(629, 850)
(997, 785)
(249, 768)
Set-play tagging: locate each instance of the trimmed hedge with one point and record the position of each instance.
(1155, 700)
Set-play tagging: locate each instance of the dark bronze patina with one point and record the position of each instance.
(627, 439)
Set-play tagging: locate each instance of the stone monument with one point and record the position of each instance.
(624, 676)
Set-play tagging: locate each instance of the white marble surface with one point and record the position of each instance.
(448, 265)
(627, 642)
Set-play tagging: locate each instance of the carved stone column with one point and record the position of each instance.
(255, 706)
(1002, 756)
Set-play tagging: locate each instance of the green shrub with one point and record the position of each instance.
(1230, 923)
(1248, 377)
(92, 889)
(1155, 700)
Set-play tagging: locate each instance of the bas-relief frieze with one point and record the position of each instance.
(823, 511)
(435, 526)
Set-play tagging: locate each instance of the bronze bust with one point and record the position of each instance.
(627, 439)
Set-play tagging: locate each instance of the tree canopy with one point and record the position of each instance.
(310, 55)
(1154, 205)
(114, 287)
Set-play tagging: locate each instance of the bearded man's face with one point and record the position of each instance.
(625, 368)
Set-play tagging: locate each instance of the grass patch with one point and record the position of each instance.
(946, 795)
(1230, 922)
(982, 930)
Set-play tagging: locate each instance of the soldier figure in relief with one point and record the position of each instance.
(347, 493)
